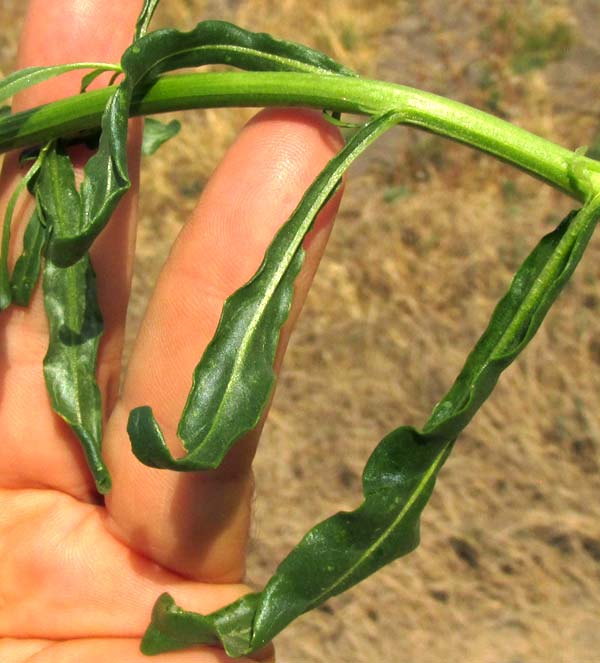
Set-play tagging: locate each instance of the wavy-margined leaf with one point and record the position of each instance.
(157, 133)
(219, 42)
(234, 379)
(398, 478)
(27, 268)
(211, 42)
(5, 288)
(24, 78)
(74, 318)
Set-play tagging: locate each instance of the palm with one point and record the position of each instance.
(78, 577)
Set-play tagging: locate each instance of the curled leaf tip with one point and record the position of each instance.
(103, 481)
(148, 442)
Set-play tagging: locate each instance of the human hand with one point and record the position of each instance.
(78, 578)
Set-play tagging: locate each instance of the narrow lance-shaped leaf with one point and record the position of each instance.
(5, 288)
(398, 478)
(211, 42)
(24, 78)
(88, 79)
(27, 268)
(234, 379)
(157, 133)
(74, 318)
(141, 27)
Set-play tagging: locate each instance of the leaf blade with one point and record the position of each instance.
(220, 42)
(157, 133)
(70, 362)
(5, 278)
(144, 18)
(75, 321)
(27, 268)
(234, 379)
(25, 78)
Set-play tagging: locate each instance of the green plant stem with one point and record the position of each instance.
(574, 174)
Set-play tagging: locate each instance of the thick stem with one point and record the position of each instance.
(576, 175)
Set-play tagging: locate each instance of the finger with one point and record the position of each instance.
(197, 523)
(57, 32)
(77, 580)
(22, 651)
(95, 650)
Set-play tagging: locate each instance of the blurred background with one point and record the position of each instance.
(427, 239)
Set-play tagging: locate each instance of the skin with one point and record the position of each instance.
(79, 575)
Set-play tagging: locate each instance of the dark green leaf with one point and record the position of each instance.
(74, 318)
(5, 292)
(399, 476)
(156, 133)
(212, 42)
(5, 288)
(219, 42)
(141, 27)
(234, 379)
(27, 268)
(105, 181)
(5, 111)
(25, 78)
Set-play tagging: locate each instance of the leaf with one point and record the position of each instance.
(234, 379)
(24, 78)
(5, 111)
(69, 365)
(156, 133)
(211, 42)
(219, 42)
(398, 478)
(88, 79)
(5, 288)
(27, 268)
(145, 17)
(74, 318)
(5, 292)
(105, 182)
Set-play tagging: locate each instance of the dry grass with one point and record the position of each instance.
(427, 239)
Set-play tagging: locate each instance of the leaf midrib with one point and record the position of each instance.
(433, 468)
